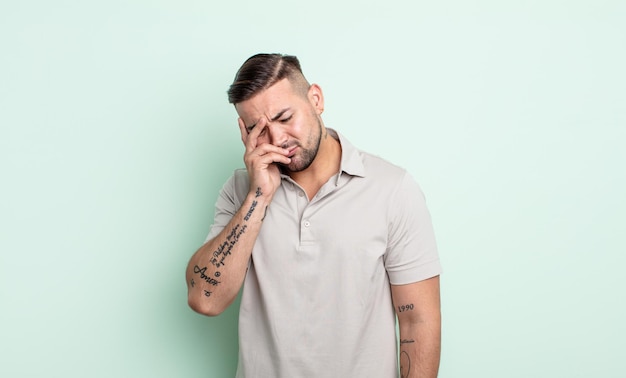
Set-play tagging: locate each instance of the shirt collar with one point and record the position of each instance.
(351, 159)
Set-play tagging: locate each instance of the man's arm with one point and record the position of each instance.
(216, 271)
(419, 316)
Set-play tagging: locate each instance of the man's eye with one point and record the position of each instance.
(285, 119)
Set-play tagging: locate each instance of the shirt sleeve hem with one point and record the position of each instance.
(419, 273)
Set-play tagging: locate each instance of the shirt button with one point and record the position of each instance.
(307, 223)
(301, 193)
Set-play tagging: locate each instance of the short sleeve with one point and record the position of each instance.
(229, 201)
(411, 254)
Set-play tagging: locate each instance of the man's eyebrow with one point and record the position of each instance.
(275, 118)
(279, 114)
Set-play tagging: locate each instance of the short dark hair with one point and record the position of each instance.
(260, 72)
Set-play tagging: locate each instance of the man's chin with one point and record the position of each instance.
(292, 167)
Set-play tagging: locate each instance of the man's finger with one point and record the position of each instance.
(242, 130)
(253, 135)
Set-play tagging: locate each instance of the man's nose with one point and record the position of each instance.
(276, 134)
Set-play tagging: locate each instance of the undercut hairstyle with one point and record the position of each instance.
(261, 71)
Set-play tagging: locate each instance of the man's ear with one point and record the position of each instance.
(316, 98)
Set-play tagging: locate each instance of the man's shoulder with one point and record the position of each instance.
(381, 167)
(360, 162)
(241, 174)
(238, 178)
(237, 186)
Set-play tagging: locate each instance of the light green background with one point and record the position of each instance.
(116, 136)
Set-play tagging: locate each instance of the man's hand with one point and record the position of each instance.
(261, 159)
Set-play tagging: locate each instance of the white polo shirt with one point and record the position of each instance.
(316, 299)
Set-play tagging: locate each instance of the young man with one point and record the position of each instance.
(329, 242)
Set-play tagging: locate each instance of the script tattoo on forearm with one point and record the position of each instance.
(224, 249)
(207, 293)
(209, 280)
(193, 283)
(406, 341)
(257, 194)
(252, 207)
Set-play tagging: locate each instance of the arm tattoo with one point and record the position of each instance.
(224, 250)
(257, 194)
(252, 207)
(209, 280)
(408, 307)
(405, 364)
(406, 341)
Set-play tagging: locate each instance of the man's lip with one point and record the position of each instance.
(292, 151)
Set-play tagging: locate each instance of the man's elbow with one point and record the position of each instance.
(204, 307)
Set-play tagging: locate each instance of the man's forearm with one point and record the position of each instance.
(216, 271)
(420, 349)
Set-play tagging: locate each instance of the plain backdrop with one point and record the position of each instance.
(116, 136)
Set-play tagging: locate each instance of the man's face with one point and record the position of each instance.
(292, 121)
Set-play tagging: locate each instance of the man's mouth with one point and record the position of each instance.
(292, 151)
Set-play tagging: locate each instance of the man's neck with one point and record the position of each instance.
(326, 165)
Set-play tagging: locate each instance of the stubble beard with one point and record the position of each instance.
(307, 155)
